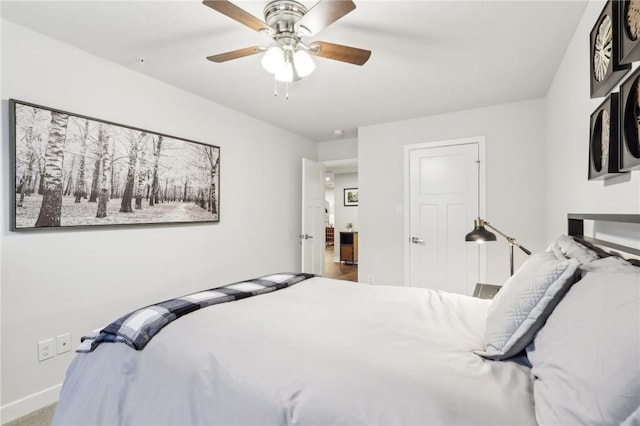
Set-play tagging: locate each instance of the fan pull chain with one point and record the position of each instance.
(275, 89)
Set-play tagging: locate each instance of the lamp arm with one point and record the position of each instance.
(511, 240)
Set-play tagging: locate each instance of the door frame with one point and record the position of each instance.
(481, 142)
(337, 167)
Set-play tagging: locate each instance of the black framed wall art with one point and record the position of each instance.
(606, 69)
(70, 170)
(629, 31)
(630, 119)
(604, 139)
(350, 197)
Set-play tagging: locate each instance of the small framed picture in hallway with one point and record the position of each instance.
(351, 196)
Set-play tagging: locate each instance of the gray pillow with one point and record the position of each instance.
(608, 264)
(565, 246)
(523, 304)
(586, 359)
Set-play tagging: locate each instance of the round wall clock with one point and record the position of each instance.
(635, 148)
(630, 138)
(606, 69)
(596, 145)
(603, 140)
(602, 49)
(630, 32)
(632, 19)
(631, 117)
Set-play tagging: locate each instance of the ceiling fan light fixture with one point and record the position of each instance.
(303, 62)
(273, 60)
(288, 58)
(285, 73)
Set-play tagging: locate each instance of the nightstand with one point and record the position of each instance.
(486, 291)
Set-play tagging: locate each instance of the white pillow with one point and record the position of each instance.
(608, 264)
(586, 359)
(525, 301)
(565, 246)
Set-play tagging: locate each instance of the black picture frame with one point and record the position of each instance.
(630, 123)
(604, 51)
(73, 171)
(350, 197)
(629, 31)
(604, 139)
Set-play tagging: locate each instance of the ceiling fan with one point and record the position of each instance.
(287, 22)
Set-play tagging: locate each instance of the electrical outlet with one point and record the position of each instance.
(63, 343)
(46, 350)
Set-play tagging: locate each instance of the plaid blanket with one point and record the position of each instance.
(137, 328)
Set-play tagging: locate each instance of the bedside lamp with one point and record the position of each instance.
(481, 234)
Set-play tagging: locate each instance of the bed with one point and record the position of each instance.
(329, 352)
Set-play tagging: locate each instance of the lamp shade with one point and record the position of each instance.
(303, 63)
(285, 73)
(273, 59)
(480, 233)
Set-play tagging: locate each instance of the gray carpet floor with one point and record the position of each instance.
(41, 417)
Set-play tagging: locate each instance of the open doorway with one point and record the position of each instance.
(341, 219)
(339, 270)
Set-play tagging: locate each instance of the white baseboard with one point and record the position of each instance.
(24, 406)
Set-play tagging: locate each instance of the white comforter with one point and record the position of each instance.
(323, 352)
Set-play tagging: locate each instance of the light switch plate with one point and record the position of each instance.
(63, 342)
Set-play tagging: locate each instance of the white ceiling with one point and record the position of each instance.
(429, 57)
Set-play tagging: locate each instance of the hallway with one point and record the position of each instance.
(339, 271)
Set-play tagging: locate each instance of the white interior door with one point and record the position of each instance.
(312, 234)
(443, 202)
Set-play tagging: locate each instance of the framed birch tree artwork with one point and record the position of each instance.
(71, 170)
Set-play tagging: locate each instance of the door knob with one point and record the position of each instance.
(416, 240)
(305, 237)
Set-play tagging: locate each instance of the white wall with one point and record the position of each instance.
(537, 157)
(342, 149)
(515, 193)
(57, 281)
(566, 142)
(344, 214)
(3, 214)
(330, 204)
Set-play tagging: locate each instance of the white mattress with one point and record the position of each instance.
(322, 352)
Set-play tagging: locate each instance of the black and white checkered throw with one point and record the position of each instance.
(138, 327)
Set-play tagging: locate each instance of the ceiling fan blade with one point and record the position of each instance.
(238, 14)
(323, 14)
(339, 52)
(234, 54)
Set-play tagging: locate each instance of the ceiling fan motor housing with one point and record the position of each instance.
(282, 15)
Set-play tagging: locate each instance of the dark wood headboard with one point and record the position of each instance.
(575, 228)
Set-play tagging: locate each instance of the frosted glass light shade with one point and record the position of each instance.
(303, 62)
(273, 59)
(285, 73)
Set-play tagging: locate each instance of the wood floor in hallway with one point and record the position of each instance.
(339, 271)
